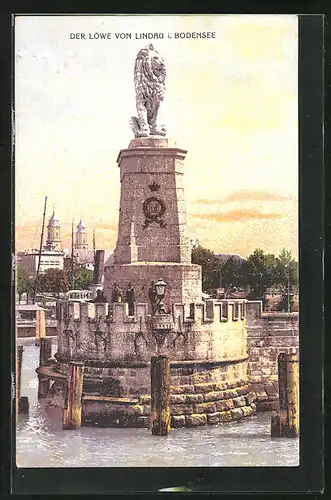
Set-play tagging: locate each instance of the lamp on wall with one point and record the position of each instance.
(160, 287)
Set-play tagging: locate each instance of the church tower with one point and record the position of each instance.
(53, 234)
(81, 237)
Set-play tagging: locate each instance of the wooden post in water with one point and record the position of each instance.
(40, 325)
(293, 408)
(72, 411)
(19, 359)
(44, 355)
(21, 402)
(160, 384)
(285, 423)
(45, 350)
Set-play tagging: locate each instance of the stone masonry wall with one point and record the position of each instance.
(201, 398)
(268, 334)
(207, 331)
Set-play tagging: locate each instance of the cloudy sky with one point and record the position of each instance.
(231, 101)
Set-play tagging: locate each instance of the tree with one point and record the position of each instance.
(54, 281)
(210, 264)
(83, 278)
(288, 278)
(256, 275)
(23, 282)
(287, 271)
(234, 273)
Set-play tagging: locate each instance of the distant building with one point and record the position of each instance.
(53, 241)
(83, 255)
(52, 255)
(81, 237)
(48, 260)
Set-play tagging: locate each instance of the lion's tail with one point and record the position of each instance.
(134, 124)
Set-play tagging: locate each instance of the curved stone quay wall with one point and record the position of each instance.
(210, 330)
(207, 346)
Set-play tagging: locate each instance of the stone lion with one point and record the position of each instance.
(149, 81)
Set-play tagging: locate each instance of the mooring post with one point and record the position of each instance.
(19, 359)
(72, 411)
(45, 352)
(293, 408)
(40, 325)
(44, 355)
(21, 402)
(160, 384)
(285, 423)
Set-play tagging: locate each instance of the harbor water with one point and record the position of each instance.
(41, 442)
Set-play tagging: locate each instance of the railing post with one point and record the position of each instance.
(160, 385)
(285, 423)
(44, 355)
(72, 411)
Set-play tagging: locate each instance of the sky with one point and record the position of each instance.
(231, 102)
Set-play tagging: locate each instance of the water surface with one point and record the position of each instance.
(41, 442)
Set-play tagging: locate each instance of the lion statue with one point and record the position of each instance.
(149, 81)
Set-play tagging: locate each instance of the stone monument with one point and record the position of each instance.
(206, 341)
(152, 228)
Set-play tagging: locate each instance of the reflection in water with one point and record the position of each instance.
(41, 442)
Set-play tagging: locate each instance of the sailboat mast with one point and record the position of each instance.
(39, 255)
(72, 257)
(94, 245)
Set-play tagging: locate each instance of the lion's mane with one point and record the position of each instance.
(149, 86)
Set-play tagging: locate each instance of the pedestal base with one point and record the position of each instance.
(183, 280)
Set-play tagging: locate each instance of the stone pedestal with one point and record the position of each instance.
(152, 230)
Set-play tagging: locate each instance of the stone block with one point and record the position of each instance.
(261, 395)
(182, 389)
(195, 420)
(247, 411)
(213, 418)
(225, 416)
(240, 401)
(224, 405)
(230, 393)
(179, 380)
(145, 399)
(269, 405)
(199, 378)
(213, 396)
(177, 398)
(237, 414)
(181, 409)
(205, 408)
(220, 386)
(136, 409)
(202, 388)
(177, 421)
(194, 398)
(250, 397)
(243, 390)
(270, 390)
